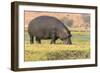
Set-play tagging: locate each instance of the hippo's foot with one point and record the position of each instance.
(52, 42)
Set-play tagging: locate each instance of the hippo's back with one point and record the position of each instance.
(45, 23)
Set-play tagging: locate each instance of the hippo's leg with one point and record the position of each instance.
(31, 39)
(38, 40)
(53, 38)
(53, 41)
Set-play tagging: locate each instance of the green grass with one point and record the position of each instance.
(80, 49)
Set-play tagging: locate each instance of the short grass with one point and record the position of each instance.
(80, 49)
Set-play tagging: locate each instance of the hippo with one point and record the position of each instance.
(48, 27)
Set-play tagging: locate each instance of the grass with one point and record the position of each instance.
(80, 49)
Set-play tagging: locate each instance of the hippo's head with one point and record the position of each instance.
(67, 37)
(68, 40)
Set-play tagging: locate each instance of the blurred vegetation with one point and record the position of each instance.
(86, 18)
(67, 22)
(80, 49)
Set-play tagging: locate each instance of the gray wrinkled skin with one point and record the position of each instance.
(47, 27)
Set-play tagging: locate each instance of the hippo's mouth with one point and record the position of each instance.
(68, 41)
